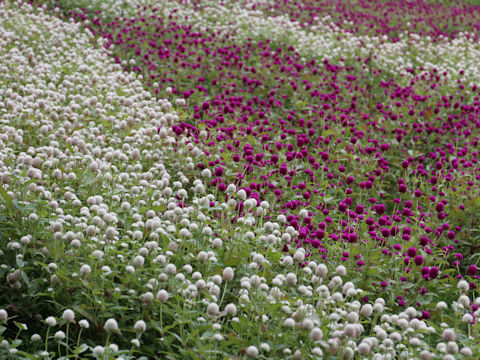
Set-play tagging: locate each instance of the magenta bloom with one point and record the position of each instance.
(472, 270)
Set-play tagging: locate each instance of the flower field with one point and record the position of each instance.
(203, 179)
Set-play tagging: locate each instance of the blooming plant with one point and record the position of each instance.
(255, 179)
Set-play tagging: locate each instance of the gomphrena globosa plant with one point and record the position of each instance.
(191, 179)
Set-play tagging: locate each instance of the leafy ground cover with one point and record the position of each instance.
(215, 180)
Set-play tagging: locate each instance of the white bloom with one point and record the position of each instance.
(135, 342)
(202, 256)
(85, 269)
(366, 310)
(316, 334)
(51, 321)
(341, 270)
(59, 335)
(212, 309)
(138, 261)
(228, 274)
(68, 316)
(442, 305)
(84, 324)
(231, 309)
(252, 351)
(3, 314)
(162, 296)
(98, 350)
(449, 335)
(463, 285)
(147, 298)
(110, 325)
(140, 326)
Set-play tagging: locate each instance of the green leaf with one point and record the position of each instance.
(81, 348)
(6, 197)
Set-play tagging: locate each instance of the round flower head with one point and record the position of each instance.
(110, 325)
(138, 261)
(163, 296)
(59, 335)
(85, 270)
(212, 309)
(449, 335)
(140, 326)
(316, 334)
(231, 309)
(252, 351)
(68, 316)
(341, 270)
(366, 310)
(98, 350)
(228, 274)
(3, 314)
(363, 348)
(51, 321)
(84, 324)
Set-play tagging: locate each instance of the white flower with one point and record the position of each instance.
(363, 349)
(291, 279)
(68, 316)
(3, 314)
(463, 285)
(442, 305)
(426, 355)
(217, 243)
(170, 269)
(140, 326)
(51, 321)
(341, 270)
(36, 337)
(449, 335)
(59, 335)
(316, 334)
(212, 309)
(231, 309)
(202, 256)
(466, 351)
(135, 342)
(110, 325)
(84, 324)
(366, 310)
(147, 298)
(228, 274)
(252, 351)
(138, 261)
(242, 194)
(98, 350)
(218, 337)
(85, 269)
(163, 296)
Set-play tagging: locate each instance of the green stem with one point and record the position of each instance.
(46, 339)
(78, 341)
(66, 340)
(223, 295)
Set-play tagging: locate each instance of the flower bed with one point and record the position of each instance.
(175, 187)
